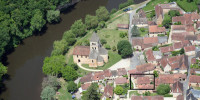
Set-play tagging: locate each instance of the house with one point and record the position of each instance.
(84, 87)
(146, 68)
(180, 97)
(107, 74)
(178, 37)
(177, 89)
(121, 71)
(192, 94)
(114, 74)
(108, 92)
(178, 28)
(86, 79)
(169, 79)
(154, 30)
(194, 39)
(94, 55)
(145, 86)
(120, 81)
(140, 19)
(143, 80)
(194, 80)
(176, 64)
(123, 26)
(189, 50)
(166, 50)
(162, 40)
(162, 9)
(157, 54)
(150, 57)
(98, 76)
(147, 98)
(140, 43)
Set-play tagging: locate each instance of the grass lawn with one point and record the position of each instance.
(187, 6)
(111, 36)
(197, 88)
(131, 93)
(123, 19)
(114, 57)
(143, 33)
(153, 3)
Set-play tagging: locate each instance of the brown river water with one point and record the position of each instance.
(25, 62)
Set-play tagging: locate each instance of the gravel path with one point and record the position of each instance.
(92, 70)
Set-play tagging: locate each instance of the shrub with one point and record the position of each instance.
(113, 11)
(122, 34)
(168, 95)
(114, 48)
(142, 29)
(103, 41)
(107, 47)
(163, 89)
(155, 48)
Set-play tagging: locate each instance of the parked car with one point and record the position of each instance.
(127, 9)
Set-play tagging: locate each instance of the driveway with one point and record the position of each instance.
(123, 63)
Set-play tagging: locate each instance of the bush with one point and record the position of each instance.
(114, 10)
(168, 95)
(123, 5)
(142, 29)
(103, 41)
(118, 90)
(107, 47)
(163, 89)
(72, 87)
(114, 48)
(155, 48)
(122, 34)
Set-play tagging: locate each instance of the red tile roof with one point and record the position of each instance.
(194, 79)
(180, 97)
(85, 86)
(125, 26)
(150, 40)
(98, 76)
(143, 80)
(136, 98)
(189, 48)
(156, 29)
(147, 98)
(179, 19)
(178, 36)
(168, 78)
(147, 86)
(149, 55)
(107, 73)
(121, 71)
(178, 27)
(120, 80)
(177, 45)
(86, 78)
(108, 91)
(166, 49)
(81, 50)
(145, 67)
(193, 61)
(177, 87)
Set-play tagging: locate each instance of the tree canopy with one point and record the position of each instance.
(124, 48)
(135, 32)
(163, 89)
(78, 28)
(102, 14)
(3, 70)
(91, 21)
(47, 93)
(69, 37)
(53, 16)
(91, 93)
(118, 90)
(59, 48)
(72, 87)
(69, 73)
(53, 65)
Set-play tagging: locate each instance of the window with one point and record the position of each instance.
(95, 48)
(77, 56)
(92, 60)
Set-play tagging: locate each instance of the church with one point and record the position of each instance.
(94, 55)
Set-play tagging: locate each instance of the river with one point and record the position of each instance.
(25, 62)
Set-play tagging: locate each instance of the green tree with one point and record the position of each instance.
(72, 87)
(37, 21)
(155, 48)
(124, 48)
(114, 48)
(48, 93)
(118, 90)
(103, 41)
(102, 14)
(53, 16)
(135, 32)
(3, 70)
(91, 21)
(69, 73)
(50, 81)
(155, 73)
(163, 89)
(59, 48)
(122, 34)
(177, 23)
(78, 28)
(53, 65)
(167, 21)
(75, 66)
(147, 93)
(174, 13)
(69, 37)
(91, 93)
(113, 11)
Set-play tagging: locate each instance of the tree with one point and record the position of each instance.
(50, 81)
(91, 21)
(135, 32)
(69, 37)
(118, 90)
(3, 70)
(124, 48)
(167, 21)
(69, 73)
(53, 16)
(174, 13)
(177, 23)
(122, 34)
(75, 66)
(155, 73)
(155, 48)
(102, 14)
(147, 93)
(59, 48)
(91, 93)
(103, 41)
(47, 93)
(163, 89)
(72, 87)
(113, 11)
(114, 48)
(53, 65)
(78, 28)
(37, 21)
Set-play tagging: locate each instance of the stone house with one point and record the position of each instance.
(190, 50)
(150, 57)
(147, 68)
(140, 19)
(120, 81)
(108, 92)
(154, 30)
(178, 28)
(84, 87)
(177, 89)
(94, 55)
(194, 80)
(194, 39)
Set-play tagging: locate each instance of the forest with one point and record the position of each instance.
(22, 18)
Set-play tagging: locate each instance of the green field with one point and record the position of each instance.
(114, 57)
(188, 7)
(123, 19)
(153, 3)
